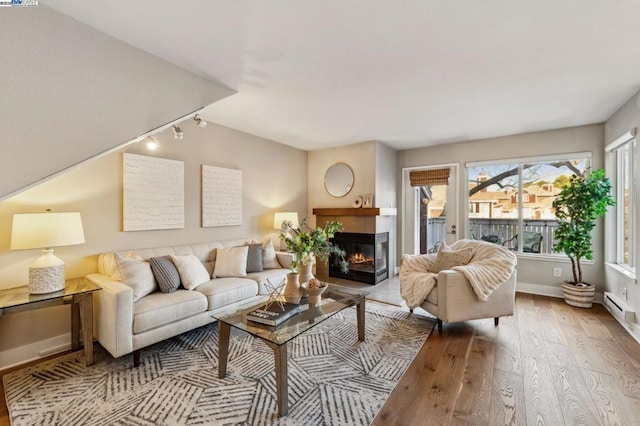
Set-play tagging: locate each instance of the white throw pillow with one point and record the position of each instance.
(136, 274)
(231, 262)
(107, 263)
(269, 259)
(192, 271)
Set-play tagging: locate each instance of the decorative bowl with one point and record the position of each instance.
(313, 293)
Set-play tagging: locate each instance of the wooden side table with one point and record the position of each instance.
(77, 293)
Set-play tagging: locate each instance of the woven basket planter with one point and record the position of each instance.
(578, 295)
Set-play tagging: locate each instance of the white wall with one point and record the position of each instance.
(69, 92)
(386, 195)
(626, 118)
(534, 273)
(274, 178)
(360, 157)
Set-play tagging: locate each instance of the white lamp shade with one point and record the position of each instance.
(280, 217)
(44, 230)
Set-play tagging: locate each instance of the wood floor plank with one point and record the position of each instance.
(409, 393)
(632, 406)
(615, 328)
(574, 399)
(474, 401)
(593, 327)
(530, 332)
(610, 406)
(631, 348)
(611, 359)
(577, 341)
(541, 400)
(543, 303)
(507, 399)
(508, 351)
(565, 314)
(447, 380)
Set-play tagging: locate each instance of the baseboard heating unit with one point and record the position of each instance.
(619, 308)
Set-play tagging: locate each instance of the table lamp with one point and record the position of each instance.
(46, 230)
(280, 217)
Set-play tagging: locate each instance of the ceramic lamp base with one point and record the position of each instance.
(46, 274)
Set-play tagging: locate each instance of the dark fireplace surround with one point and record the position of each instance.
(367, 254)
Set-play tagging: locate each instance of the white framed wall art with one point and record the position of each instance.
(153, 193)
(221, 196)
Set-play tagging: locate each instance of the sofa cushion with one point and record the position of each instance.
(224, 291)
(166, 274)
(192, 271)
(274, 275)
(269, 259)
(158, 309)
(137, 275)
(432, 297)
(254, 258)
(231, 262)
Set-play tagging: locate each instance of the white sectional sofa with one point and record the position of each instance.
(124, 326)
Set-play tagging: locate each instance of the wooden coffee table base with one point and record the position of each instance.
(280, 357)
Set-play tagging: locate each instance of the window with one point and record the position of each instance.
(511, 202)
(623, 152)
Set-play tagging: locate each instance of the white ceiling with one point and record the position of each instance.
(315, 74)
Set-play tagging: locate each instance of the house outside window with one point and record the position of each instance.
(510, 202)
(623, 152)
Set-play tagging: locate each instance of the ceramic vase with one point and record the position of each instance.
(292, 288)
(306, 272)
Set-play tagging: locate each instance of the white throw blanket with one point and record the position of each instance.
(490, 266)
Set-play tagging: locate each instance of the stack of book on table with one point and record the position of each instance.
(274, 314)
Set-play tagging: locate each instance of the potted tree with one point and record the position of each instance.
(583, 200)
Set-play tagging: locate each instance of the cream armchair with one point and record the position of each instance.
(453, 300)
(482, 288)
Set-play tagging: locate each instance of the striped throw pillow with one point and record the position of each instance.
(166, 273)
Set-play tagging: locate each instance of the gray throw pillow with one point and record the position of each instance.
(254, 258)
(166, 273)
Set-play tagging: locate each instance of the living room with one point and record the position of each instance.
(74, 162)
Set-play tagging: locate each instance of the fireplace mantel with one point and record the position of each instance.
(373, 211)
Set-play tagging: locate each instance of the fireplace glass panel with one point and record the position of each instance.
(367, 256)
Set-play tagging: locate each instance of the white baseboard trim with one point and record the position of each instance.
(34, 351)
(632, 329)
(551, 291)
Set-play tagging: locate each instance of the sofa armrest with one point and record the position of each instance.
(285, 258)
(114, 314)
(458, 302)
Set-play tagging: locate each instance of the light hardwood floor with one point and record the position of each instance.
(549, 364)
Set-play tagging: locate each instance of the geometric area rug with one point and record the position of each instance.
(333, 378)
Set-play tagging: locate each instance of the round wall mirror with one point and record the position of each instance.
(338, 180)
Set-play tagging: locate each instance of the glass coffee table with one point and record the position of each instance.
(333, 300)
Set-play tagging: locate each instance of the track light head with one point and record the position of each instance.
(152, 144)
(177, 132)
(200, 121)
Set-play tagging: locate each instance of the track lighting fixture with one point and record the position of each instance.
(177, 132)
(152, 143)
(200, 121)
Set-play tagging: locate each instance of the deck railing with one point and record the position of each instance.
(504, 231)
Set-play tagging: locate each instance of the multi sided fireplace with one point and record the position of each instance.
(367, 255)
